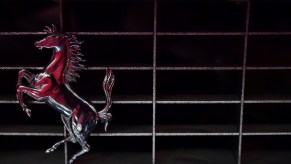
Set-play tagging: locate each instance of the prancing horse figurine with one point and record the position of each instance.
(52, 87)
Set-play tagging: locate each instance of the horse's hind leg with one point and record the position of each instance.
(56, 145)
(68, 127)
(85, 149)
(70, 138)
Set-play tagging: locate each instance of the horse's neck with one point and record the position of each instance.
(57, 65)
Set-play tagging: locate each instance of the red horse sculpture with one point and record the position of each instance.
(52, 87)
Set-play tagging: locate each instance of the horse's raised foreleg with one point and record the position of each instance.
(37, 94)
(56, 145)
(24, 74)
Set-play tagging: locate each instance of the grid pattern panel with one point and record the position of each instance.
(211, 80)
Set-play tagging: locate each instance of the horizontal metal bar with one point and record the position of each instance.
(150, 134)
(270, 33)
(197, 134)
(166, 68)
(9, 102)
(121, 134)
(228, 33)
(199, 33)
(172, 101)
(19, 68)
(200, 102)
(22, 33)
(120, 68)
(268, 68)
(88, 68)
(223, 68)
(199, 68)
(183, 33)
(266, 133)
(124, 102)
(111, 33)
(221, 33)
(94, 102)
(62, 134)
(133, 68)
(139, 102)
(80, 33)
(29, 134)
(266, 101)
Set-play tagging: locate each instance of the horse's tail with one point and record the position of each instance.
(108, 83)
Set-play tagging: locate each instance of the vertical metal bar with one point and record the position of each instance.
(65, 131)
(154, 82)
(243, 81)
(66, 147)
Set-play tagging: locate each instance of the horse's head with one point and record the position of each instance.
(53, 40)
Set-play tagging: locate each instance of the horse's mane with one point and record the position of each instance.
(74, 59)
(74, 55)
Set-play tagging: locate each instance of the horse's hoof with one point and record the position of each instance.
(71, 161)
(49, 150)
(28, 112)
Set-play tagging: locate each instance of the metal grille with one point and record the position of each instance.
(197, 81)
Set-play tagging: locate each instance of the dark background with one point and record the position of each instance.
(208, 84)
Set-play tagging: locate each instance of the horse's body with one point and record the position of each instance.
(51, 86)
